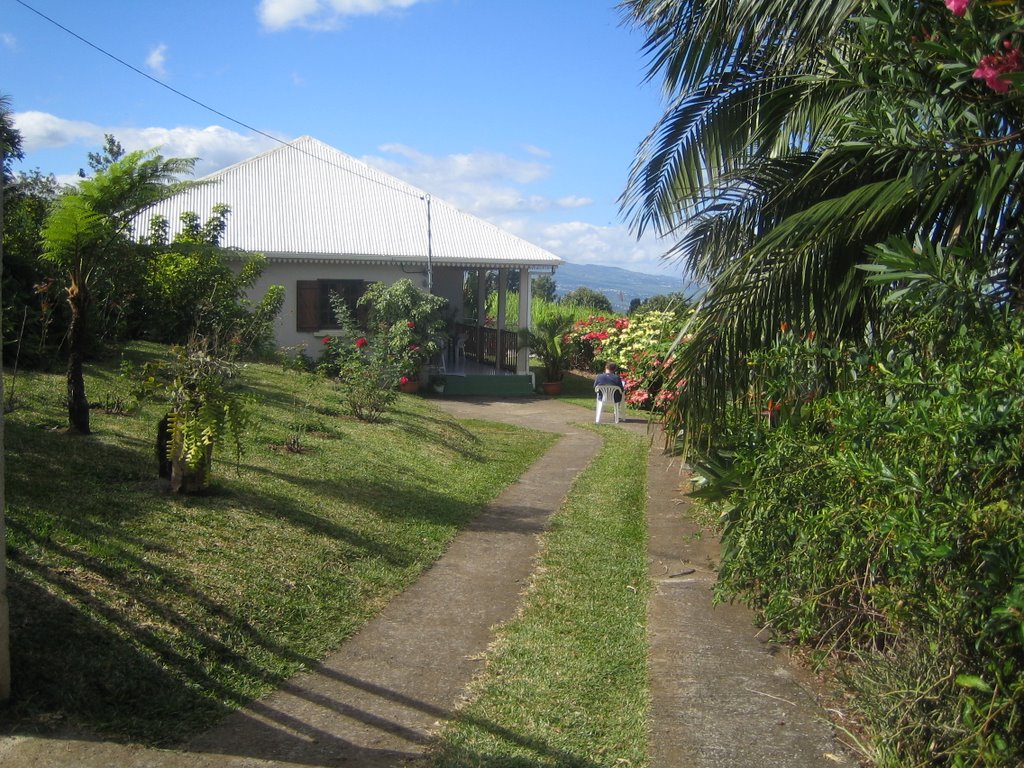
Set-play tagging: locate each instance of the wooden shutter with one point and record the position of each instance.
(307, 305)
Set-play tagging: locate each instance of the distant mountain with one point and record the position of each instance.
(621, 286)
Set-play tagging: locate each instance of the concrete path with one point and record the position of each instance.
(720, 696)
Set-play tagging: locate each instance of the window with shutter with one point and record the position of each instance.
(307, 306)
(313, 310)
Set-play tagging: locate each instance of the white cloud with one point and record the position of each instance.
(322, 14)
(496, 187)
(9, 41)
(486, 184)
(610, 245)
(157, 59)
(215, 146)
(40, 130)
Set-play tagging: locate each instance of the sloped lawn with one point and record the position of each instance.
(143, 617)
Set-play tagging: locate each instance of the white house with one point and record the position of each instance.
(328, 222)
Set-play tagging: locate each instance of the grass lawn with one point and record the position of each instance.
(139, 616)
(565, 683)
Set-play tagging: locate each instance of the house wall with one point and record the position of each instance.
(447, 283)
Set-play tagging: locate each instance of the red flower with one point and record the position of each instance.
(410, 324)
(404, 380)
(361, 342)
(958, 7)
(991, 68)
(327, 340)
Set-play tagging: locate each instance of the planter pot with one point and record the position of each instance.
(410, 387)
(181, 477)
(438, 388)
(552, 387)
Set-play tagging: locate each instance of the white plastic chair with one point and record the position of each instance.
(606, 394)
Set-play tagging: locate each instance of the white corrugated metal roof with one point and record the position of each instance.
(307, 200)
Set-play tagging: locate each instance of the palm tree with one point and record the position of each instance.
(87, 233)
(799, 135)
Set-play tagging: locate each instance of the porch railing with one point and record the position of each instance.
(482, 346)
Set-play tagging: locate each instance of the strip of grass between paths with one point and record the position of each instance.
(142, 617)
(565, 682)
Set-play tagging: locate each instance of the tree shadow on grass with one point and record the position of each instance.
(76, 665)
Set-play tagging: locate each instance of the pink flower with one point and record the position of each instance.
(404, 380)
(991, 68)
(361, 342)
(327, 340)
(958, 7)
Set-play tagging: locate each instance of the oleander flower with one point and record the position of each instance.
(958, 7)
(991, 68)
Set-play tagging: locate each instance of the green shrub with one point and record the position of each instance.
(887, 510)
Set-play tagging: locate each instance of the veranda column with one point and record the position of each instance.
(481, 312)
(499, 349)
(525, 304)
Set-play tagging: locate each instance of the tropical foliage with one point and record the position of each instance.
(870, 507)
(801, 134)
(548, 341)
(193, 286)
(639, 346)
(410, 323)
(198, 384)
(846, 178)
(87, 239)
(367, 375)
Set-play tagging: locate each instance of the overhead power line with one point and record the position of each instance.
(207, 107)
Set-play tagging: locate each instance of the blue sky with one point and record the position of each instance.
(524, 112)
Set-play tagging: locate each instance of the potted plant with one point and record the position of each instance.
(547, 343)
(409, 384)
(437, 383)
(203, 409)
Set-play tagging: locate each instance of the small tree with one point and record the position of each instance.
(193, 286)
(408, 321)
(544, 287)
(203, 409)
(87, 233)
(365, 372)
(588, 297)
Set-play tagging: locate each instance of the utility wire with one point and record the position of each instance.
(208, 108)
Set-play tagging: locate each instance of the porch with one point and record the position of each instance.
(478, 360)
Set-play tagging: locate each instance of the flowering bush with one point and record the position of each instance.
(406, 324)
(996, 24)
(640, 346)
(404, 327)
(365, 374)
(586, 340)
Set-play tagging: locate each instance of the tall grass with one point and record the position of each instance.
(539, 309)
